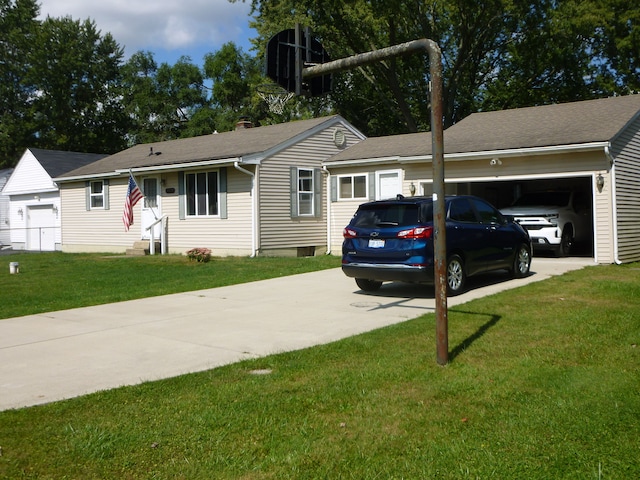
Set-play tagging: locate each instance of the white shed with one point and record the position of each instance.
(34, 198)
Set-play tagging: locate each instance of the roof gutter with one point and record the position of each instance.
(152, 169)
(519, 152)
(364, 161)
(254, 208)
(488, 154)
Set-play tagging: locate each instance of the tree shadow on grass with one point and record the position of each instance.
(467, 342)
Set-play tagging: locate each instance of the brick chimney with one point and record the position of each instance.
(243, 122)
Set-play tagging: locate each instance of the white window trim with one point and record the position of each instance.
(353, 197)
(97, 195)
(218, 196)
(306, 192)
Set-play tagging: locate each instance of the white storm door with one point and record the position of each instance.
(389, 184)
(42, 228)
(150, 211)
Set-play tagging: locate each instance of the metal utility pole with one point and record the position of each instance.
(437, 148)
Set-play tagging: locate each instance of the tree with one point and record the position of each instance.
(496, 53)
(165, 102)
(17, 30)
(234, 76)
(76, 72)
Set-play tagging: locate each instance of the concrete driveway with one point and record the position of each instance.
(58, 355)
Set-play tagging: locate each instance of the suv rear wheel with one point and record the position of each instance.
(368, 285)
(456, 277)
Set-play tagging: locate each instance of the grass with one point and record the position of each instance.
(543, 384)
(92, 279)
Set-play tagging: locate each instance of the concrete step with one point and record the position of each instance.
(137, 252)
(141, 248)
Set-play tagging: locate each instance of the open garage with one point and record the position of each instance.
(579, 194)
(591, 148)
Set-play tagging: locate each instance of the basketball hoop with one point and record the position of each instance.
(274, 95)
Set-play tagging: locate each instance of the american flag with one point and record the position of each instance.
(133, 196)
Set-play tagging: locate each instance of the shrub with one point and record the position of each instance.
(199, 254)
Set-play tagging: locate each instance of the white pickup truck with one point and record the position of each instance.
(555, 220)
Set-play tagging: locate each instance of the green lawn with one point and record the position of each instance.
(92, 279)
(544, 383)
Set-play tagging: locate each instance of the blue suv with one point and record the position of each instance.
(392, 240)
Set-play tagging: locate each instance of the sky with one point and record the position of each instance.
(167, 28)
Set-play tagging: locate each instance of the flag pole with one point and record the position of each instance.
(155, 214)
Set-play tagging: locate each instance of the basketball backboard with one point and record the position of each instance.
(288, 52)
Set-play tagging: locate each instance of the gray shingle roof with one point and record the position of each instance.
(550, 125)
(227, 145)
(58, 162)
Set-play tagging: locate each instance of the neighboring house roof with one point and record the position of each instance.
(244, 144)
(37, 168)
(562, 124)
(4, 176)
(58, 162)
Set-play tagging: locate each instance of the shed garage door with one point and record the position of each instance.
(41, 231)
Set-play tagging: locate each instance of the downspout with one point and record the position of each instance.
(254, 226)
(612, 172)
(325, 170)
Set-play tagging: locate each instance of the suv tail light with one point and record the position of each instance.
(348, 233)
(418, 232)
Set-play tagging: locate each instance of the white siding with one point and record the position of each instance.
(603, 219)
(626, 151)
(516, 168)
(224, 236)
(102, 230)
(278, 230)
(29, 177)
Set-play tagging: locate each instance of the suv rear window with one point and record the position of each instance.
(392, 215)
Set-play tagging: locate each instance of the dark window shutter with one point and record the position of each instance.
(372, 186)
(317, 192)
(294, 191)
(223, 192)
(182, 201)
(105, 192)
(334, 189)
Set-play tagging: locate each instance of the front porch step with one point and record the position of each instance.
(141, 248)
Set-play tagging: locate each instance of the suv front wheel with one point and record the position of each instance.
(521, 262)
(456, 277)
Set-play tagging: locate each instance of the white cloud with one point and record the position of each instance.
(164, 27)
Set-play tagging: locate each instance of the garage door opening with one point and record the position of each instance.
(503, 193)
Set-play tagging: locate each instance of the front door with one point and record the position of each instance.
(389, 184)
(150, 207)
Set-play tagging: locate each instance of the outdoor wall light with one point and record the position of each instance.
(55, 209)
(412, 189)
(20, 212)
(600, 182)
